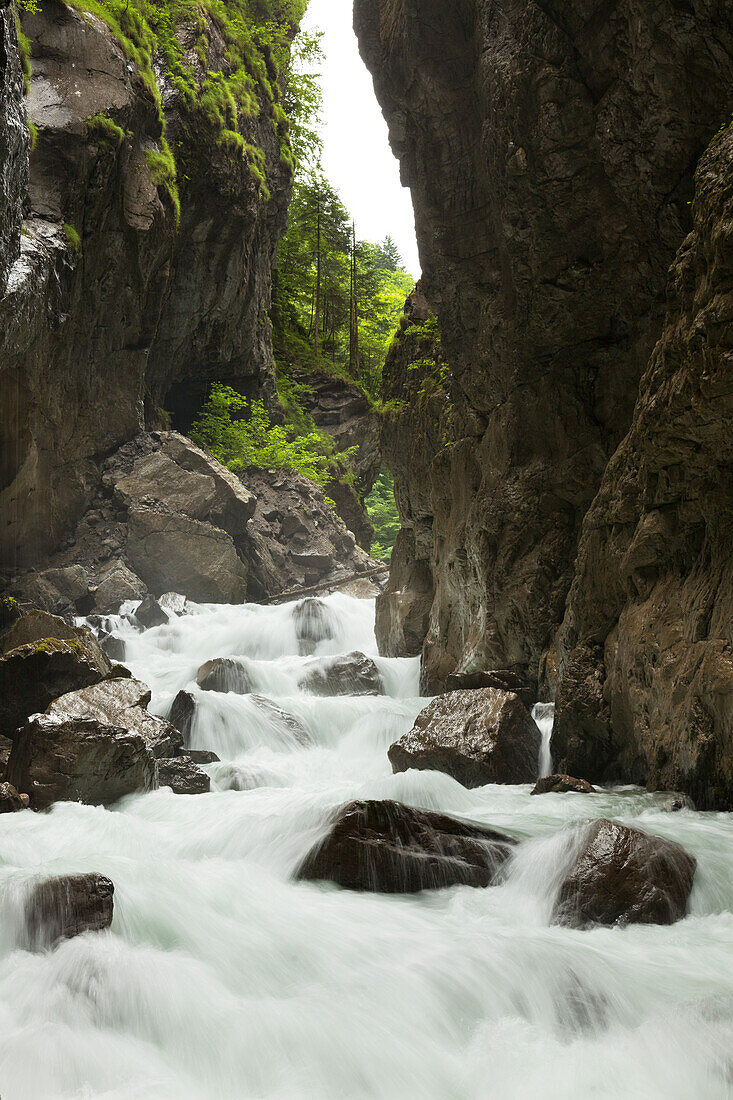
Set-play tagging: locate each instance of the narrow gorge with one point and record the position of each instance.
(366, 658)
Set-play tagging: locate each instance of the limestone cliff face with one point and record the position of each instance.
(646, 650)
(550, 148)
(112, 310)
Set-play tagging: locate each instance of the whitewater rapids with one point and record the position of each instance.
(223, 978)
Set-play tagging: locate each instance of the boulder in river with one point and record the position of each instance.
(149, 613)
(477, 736)
(62, 758)
(287, 723)
(348, 674)
(313, 622)
(33, 674)
(181, 714)
(624, 876)
(503, 679)
(67, 906)
(121, 702)
(224, 674)
(386, 847)
(562, 784)
(11, 800)
(183, 776)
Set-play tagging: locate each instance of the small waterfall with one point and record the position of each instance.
(544, 716)
(223, 976)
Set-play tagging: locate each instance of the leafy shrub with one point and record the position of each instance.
(241, 435)
(382, 510)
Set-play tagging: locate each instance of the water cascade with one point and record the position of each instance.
(222, 977)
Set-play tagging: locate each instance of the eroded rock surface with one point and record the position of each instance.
(478, 737)
(550, 150)
(562, 784)
(624, 876)
(387, 847)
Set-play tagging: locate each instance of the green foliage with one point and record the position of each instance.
(240, 435)
(33, 131)
(162, 168)
(382, 510)
(320, 229)
(72, 238)
(105, 129)
(24, 46)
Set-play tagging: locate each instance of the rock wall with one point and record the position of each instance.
(645, 653)
(113, 310)
(550, 148)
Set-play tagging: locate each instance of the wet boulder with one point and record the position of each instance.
(67, 906)
(349, 674)
(477, 736)
(35, 673)
(181, 714)
(121, 702)
(224, 674)
(183, 776)
(11, 800)
(313, 622)
(624, 876)
(386, 847)
(62, 758)
(503, 679)
(201, 756)
(149, 613)
(562, 784)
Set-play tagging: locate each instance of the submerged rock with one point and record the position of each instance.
(313, 624)
(121, 702)
(478, 736)
(350, 674)
(10, 799)
(183, 776)
(67, 906)
(33, 675)
(287, 723)
(387, 847)
(60, 758)
(624, 876)
(224, 674)
(562, 784)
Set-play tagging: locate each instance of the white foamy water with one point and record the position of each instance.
(222, 979)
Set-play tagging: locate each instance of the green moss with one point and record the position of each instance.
(72, 238)
(105, 129)
(256, 34)
(33, 131)
(24, 49)
(163, 172)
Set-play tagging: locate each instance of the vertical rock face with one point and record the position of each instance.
(550, 149)
(112, 309)
(14, 140)
(646, 649)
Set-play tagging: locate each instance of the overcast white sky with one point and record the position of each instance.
(357, 157)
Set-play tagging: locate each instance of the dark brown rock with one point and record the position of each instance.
(200, 756)
(350, 674)
(69, 759)
(478, 737)
(67, 906)
(562, 784)
(149, 613)
(34, 626)
(224, 674)
(10, 800)
(181, 714)
(33, 675)
(183, 776)
(645, 650)
(287, 723)
(550, 149)
(503, 679)
(387, 847)
(624, 876)
(122, 702)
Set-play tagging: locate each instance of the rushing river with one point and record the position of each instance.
(221, 978)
